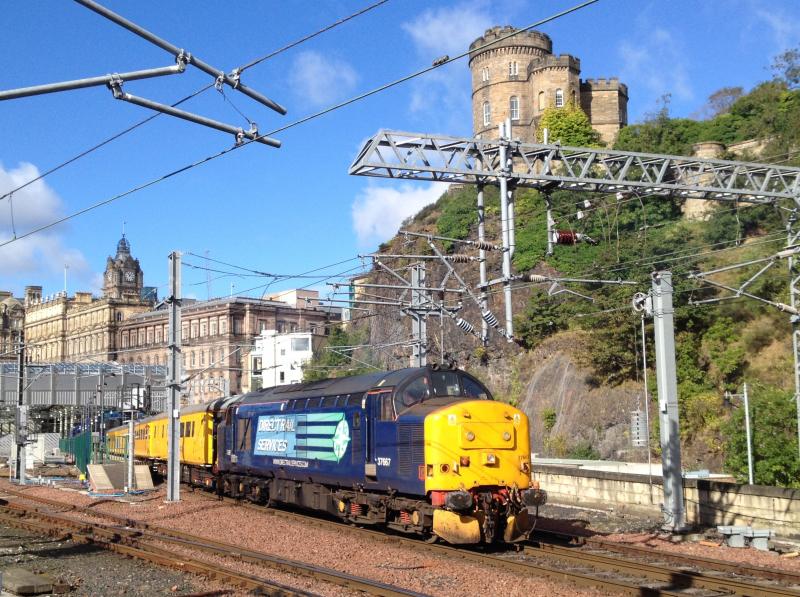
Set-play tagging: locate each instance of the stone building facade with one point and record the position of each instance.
(519, 77)
(12, 318)
(217, 338)
(82, 328)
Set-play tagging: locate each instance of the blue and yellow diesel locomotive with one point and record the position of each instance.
(421, 450)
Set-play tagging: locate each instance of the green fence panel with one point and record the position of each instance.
(80, 448)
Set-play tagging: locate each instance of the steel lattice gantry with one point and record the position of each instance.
(509, 163)
(413, 156)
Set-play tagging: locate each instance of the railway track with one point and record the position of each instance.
(594, 563)
(143, 541)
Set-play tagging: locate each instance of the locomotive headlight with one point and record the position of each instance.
(490, 459)
(507, 436)
(470, 436)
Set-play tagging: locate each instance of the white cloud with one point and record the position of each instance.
(785, 29)
(446, 90)
(448, 30)
(379, 211)
(654, 62)
(43, 253)
(320, 80)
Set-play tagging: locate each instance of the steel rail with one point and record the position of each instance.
(694, 560)
(110, 540)
(680, 579)
(134, 534)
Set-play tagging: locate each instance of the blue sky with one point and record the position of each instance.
(295, 209)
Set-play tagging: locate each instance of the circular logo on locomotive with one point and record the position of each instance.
(341, 439)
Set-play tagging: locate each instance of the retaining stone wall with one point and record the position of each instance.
(708, 503)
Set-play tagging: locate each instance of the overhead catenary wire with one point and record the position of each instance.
(300, 121)
(144, 121)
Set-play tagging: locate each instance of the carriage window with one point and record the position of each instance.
(313, 402)
(473, 389)
(445, 383)
(328, 402)
(354, 400)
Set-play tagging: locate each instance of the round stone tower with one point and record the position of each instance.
(556, 81)
(500, 86)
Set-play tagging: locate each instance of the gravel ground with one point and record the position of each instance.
(89, 570)
(201, 514)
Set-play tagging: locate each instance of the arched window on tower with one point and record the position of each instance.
(487, 114)
(513, 69)
(572, 98)
(541, 101)
(513, 107)
(559, 98)
(485, 74)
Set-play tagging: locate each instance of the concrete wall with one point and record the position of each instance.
(708, 503)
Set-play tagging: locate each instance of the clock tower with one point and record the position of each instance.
(123, 277)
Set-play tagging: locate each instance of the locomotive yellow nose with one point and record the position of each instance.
(480, 443)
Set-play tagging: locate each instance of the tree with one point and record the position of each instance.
(332, 363)
(786, 67)
(773, 421)
(721, 100)
(569, 126)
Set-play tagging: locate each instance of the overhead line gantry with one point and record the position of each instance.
(510, 163)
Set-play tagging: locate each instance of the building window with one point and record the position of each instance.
(202, 357)
(572, 97)
(203, 329)
(192, 359)
(541, 100)
(300, 344)
(282, 376)
(487, 114)
(485, 74)
(213, 326)
(262, 325)
(559, 98)
(223, 326)
(513, 71)
(514, 107)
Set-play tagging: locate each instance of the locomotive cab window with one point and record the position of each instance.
(387, 409)
(445, 383)
(243, 434)
(413, 393)
(473, 389)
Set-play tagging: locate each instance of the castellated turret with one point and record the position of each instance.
(520, 77)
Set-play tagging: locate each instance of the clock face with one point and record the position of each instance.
(129, 276)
